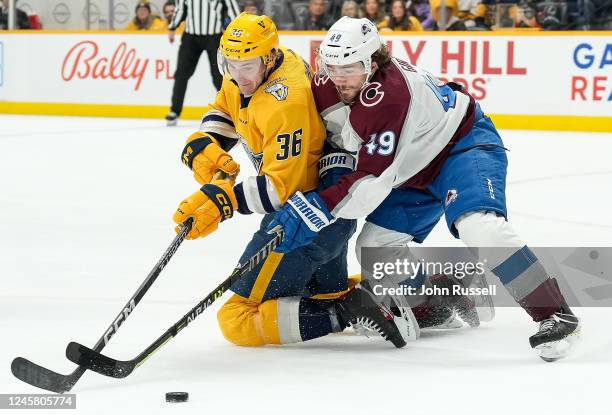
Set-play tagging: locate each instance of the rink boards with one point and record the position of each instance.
(525, 80)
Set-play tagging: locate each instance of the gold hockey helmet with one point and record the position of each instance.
(248, 36)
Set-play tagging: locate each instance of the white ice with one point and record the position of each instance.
(85, 212)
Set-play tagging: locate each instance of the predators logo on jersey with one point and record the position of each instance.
(278, 91)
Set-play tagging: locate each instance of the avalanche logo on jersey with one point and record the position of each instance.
(256, 159)
(451, 196)
(278, 91)
(371, 95)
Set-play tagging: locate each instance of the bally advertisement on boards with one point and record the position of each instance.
(511, 75)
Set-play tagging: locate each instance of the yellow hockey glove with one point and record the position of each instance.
(213, 203)
(204, 156)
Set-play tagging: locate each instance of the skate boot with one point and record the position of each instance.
(366, 314)
(436, 317)
(444, 318)
(464, 305)
(171, 119)
(556, 335)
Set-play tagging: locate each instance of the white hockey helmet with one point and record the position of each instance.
(349, 40)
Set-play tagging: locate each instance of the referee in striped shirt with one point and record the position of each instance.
(204, 24)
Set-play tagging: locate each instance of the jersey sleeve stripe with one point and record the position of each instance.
(262, 189)
(243, 206)
(219, 128)
(257, 194)
(226, 143)
(217, 117)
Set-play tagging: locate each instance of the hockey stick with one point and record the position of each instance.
(43, 378)
(104, 365)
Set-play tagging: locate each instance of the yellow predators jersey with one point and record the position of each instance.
(280, 129)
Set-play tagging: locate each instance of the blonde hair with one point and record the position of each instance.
(353, 3)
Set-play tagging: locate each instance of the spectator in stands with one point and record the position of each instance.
(472, 14)
(316, 19)
(250, 7)
(400, 20)
(22, 21)
(144, 20)
(451, 18)
(525, 15)
(422, 11)
(350, 9)
(373, 12)
(168, 11)
(334, 8)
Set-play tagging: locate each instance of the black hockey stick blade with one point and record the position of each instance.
(92, 360)
(104, 365)
(43, 378)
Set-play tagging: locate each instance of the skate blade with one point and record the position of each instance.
(553, 351)
(484, 303)
(454, 324)
(407, 323)
(451, 323)
(171, 123)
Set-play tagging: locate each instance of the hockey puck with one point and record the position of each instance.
(177, 396)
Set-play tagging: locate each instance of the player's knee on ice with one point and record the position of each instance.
(247, 323)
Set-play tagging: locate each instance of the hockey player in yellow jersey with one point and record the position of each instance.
(266, 104)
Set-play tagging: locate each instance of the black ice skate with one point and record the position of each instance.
(171, 119)
(464, 305)
(362, 310)
(438, 318)
(556, 335)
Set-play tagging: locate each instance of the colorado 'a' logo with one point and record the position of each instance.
(371, 94)
(278, 91)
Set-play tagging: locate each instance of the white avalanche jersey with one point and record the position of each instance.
(401, 128)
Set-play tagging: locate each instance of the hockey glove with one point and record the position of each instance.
(204, 156)
(213, 203)
(302, 217)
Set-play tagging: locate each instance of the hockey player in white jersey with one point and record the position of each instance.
(424, 149)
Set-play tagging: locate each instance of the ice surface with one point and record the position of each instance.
(85, 212)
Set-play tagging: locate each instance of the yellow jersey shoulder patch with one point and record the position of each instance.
(277, 89)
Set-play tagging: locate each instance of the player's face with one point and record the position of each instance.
(248, 74)
(349, 79)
